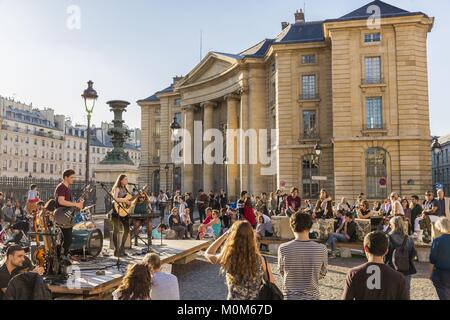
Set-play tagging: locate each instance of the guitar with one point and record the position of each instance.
(64, 216)
(125, 210)
(39, 254)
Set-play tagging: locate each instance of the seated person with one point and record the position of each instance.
(216, 224)
(324, 208)
(261, 232)
(339, 219)
(164, 285)
(15, 260)
(267, 224)
(364, 211)
(158, 232)
(203, 228)
(187, 223)
(346, 233)
(176, 225)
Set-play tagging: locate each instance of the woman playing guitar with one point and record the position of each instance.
(120, 192)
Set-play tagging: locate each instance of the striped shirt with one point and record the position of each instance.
(302, 264)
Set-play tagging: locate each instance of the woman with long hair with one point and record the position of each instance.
(240, 261)
(136, 284)
(249, 213)
(120, 191)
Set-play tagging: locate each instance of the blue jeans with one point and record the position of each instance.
(335, 237)
(441, 281)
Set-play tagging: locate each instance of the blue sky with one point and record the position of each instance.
(131, 49)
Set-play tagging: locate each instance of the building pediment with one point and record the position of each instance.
(213, 66)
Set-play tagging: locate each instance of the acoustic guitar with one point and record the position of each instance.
(125, 210)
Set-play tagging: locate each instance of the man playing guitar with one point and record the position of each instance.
(63, 198)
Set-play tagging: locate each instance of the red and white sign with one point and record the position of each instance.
(382, 183)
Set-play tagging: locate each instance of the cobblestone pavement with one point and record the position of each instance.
(200, 280)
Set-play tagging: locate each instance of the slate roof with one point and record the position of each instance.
(154, 97)
(386, 10)
(304, 32)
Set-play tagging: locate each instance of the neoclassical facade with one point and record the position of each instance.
(356, 86)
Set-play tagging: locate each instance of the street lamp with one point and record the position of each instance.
(318, 152)
(175, 127)
(90, 97)
(167, 175)
(225, 175)
(318, 149)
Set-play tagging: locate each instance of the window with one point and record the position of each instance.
(310, 169)
(309, 87)
(158, 128)
(26, 166)
(376, 173)
(372, 37)
(178, 102)
(374, 113)
(309, 59)
(373, 70)
(42, 168)
(309, 124)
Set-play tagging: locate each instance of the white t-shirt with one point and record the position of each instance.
(164, 287)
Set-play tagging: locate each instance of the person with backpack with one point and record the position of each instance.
(402, 251)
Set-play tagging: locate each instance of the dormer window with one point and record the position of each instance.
(309, 59)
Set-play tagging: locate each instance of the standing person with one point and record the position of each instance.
(402, 251)
(345, 233)
(302, 262)
(293, 202)
(136, 284)
(32, 199)
(2, 200)
(63, 197)
(120, 191)
(153, 199)
(163, 200)
(406, 208)
(202, 203)
(249, 213)
(241, 205)
(361, 283)
(212, 200)
(164, 285)
(8, 214)
(443, 210)
(223, 199)
(19, 212)
(440, 259)
(273, 204)
(416, 212)
(187, 222)
(190, 204)
(241, 261)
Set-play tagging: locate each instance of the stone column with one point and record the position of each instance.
(233, 101)
(188, 168)
(208, 170)
(244, 168)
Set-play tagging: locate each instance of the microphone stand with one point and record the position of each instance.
(118, 263)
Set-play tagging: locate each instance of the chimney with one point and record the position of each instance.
(299, 16)
(176, 79)
(284, 25)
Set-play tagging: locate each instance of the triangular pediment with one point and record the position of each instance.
(212, 66)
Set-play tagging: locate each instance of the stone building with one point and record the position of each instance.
(441, 166)
(355, 85)
(37, 143)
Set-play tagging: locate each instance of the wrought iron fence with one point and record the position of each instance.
(17, 189)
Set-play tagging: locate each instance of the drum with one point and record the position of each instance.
(89, 240)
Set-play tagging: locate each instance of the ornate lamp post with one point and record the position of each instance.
(175, 128)
(436, 146)
(90, 97)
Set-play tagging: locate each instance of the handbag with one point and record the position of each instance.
(269, 290)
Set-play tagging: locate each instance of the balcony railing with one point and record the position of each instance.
(156, 160)
(309, 96)
(310, 134)
(374, 128)
(37, 133)
(370, 81)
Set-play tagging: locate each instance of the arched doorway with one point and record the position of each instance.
(376, 173)
(310, 168)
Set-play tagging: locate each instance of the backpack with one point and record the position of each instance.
(400, 257)
(269, 290)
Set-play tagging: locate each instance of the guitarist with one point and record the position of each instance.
(120, 191)
(63, 197)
